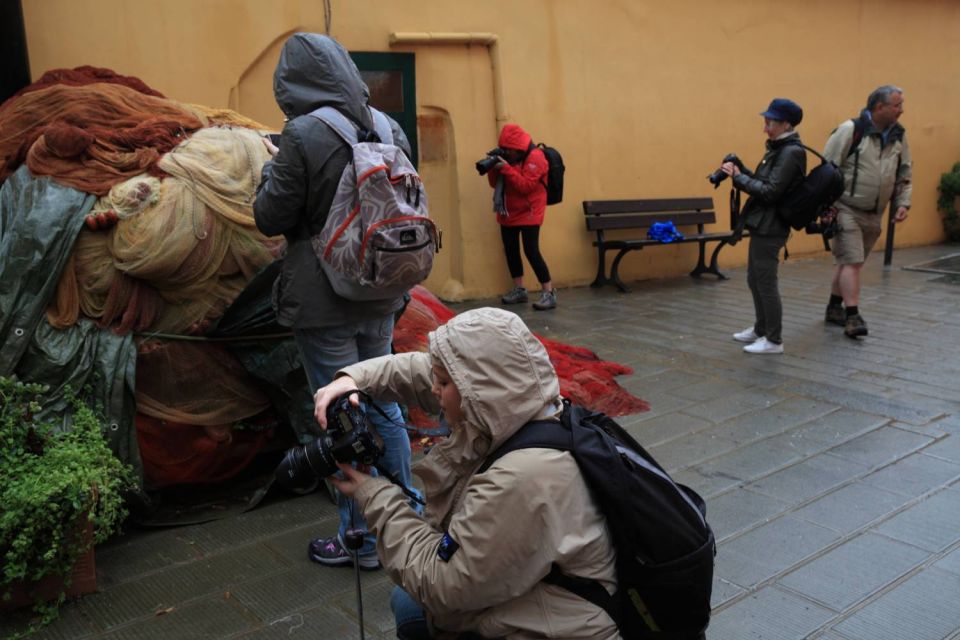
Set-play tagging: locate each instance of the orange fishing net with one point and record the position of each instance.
(87, 75)
(90, 136)
(178, 453)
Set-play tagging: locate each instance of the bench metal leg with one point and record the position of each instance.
(601, 278)
(701, 263)
(615, 271)
(701, 267)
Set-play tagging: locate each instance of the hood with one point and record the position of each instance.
(502, 372)
(512, 136)
(315, 71)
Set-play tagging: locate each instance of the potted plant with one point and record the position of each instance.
(947, 202)
(61, 490)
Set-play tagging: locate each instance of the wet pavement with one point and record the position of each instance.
(832, 474)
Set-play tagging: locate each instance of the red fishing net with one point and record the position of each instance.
(584, 378)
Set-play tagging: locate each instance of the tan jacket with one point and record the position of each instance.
(529, 510)
(881, 173)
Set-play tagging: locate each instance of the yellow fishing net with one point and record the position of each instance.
(182, 249)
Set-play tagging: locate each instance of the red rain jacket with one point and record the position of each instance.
(525, 194)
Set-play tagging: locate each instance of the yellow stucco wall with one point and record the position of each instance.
(642, 97)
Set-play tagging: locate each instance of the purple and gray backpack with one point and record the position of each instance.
(378, 240)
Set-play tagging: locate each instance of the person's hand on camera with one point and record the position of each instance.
(501, 163)
(272, 149)
(351, 480)
(325, 395)
(730, 168)
(901, 214)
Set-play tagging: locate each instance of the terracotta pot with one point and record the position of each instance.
(83, 580)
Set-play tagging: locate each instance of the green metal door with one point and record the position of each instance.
(392, 80)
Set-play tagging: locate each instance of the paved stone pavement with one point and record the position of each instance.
(832, 475)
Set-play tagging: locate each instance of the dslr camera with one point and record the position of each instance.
(484, 165)
(825, 225)
(719, 176)
(349, 438)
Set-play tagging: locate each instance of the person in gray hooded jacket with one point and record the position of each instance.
(295, 193)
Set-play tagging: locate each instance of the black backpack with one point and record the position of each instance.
(819, 189)
(664, 546)
(554, 177)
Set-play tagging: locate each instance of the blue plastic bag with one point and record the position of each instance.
(664, 232)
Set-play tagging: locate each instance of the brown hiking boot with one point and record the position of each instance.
(835, 315)
(855, 326)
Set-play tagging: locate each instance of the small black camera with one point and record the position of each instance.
(826, 227)
(349, 438)
(719, 176)
(489, 162)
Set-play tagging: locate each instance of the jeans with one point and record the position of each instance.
(409, 616)
(326, 351)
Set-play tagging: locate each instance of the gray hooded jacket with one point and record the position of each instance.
(298, 185)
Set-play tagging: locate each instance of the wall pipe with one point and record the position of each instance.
(489, 40)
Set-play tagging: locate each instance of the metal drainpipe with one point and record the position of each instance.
(489, 40)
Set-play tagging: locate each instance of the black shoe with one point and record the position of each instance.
(855, 327)
(835, 315)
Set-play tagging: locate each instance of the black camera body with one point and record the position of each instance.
(490, 161)
(349, 438)
(719, 176)
(827, 228)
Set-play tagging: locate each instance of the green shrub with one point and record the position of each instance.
(52, 478)
(949, 191)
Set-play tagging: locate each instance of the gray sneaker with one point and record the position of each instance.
(548, 300)
(835, 315)
(515, 296)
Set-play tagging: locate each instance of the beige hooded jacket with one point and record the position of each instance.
(529, 510)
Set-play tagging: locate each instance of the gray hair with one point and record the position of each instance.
(881, 95)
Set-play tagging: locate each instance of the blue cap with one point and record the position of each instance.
(784, 109)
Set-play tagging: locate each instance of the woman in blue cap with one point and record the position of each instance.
(783, 167)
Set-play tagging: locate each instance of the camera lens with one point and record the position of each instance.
(483, 166)
(301, 466)
(717, 177)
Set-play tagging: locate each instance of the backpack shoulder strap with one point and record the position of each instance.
(814, 152)
(338, 122)
(539, 434)
(550, 434)
(381, 124)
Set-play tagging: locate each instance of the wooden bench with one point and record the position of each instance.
(610, 215)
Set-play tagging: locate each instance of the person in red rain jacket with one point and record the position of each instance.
(520, 200)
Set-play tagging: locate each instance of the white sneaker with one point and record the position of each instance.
(747, 335)
(763, 346)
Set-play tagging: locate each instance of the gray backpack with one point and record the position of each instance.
(378, 240)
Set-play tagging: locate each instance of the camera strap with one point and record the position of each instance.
(386, 474)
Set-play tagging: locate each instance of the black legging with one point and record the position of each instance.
(531, 249)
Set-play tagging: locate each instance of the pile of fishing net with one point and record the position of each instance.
(166, 246)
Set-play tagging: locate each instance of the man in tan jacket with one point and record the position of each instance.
(475, 562)
(874, 157)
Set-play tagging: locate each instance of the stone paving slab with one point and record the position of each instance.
(932, 524)
(922, 608)
(854, 570)
(769, 614)
(830, 473)
(851, 507)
